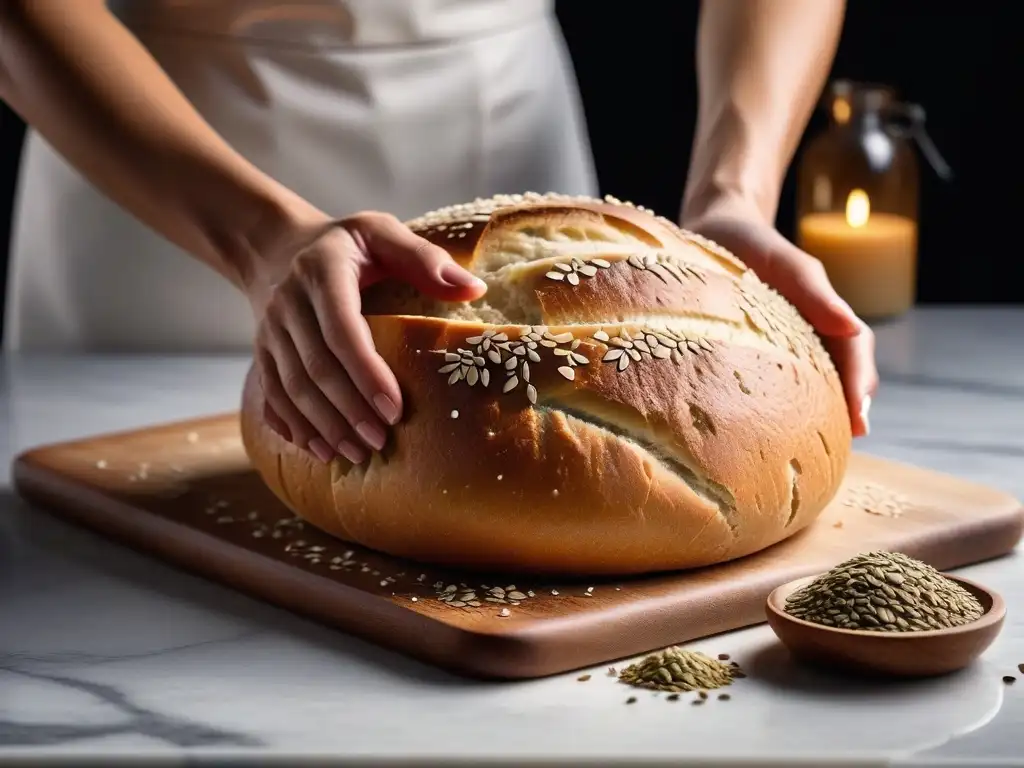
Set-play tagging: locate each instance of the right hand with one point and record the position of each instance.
(326, 389)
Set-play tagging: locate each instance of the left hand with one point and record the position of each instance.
(741, 228)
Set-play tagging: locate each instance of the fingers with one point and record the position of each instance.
(275, 422)
(277, 402)
(404, 254)
(326, 373)
(332, 286)
(301, 381)
(803, 281)
(855, 360)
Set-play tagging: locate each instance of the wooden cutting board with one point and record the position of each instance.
(186, 492)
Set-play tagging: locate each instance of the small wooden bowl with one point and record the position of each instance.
(896, 654)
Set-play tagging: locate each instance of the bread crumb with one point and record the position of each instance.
(455, 414)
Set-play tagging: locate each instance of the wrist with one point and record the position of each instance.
(735, 158)
(277, 225)
(716, 201)
(736, 182)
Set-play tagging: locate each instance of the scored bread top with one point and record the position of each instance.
(626, 397)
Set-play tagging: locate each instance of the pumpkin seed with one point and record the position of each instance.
(892, 593)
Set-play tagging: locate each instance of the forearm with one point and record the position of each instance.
(77, 76)
(761, 66)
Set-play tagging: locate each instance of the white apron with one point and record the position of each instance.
(397, 105)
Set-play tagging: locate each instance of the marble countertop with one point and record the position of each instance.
(107, 653)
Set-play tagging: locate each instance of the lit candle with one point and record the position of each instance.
(870, 257)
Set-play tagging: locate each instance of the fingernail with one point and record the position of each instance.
(372, 435)
(321, 450)
(386, 408)
(865, 406)
(352, 452)
(458, 277)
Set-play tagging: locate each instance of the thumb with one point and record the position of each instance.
(802, 279)
(401, 253)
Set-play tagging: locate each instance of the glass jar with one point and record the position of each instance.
(857, 197)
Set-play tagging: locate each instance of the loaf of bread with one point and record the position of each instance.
(627, 397)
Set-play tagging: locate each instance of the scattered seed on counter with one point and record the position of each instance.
(1009, 679)
(672, 697)
(631, 700)
(583, 678)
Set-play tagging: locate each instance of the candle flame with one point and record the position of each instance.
(858, 208)
(841, 111)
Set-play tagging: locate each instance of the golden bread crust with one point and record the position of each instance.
(627, 398)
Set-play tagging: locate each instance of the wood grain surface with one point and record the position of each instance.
(185, 492)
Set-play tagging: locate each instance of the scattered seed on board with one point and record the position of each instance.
(672, 697)
(723, 657)
(724, 697)
(1009, 679)
(631, 700)
(583, 678)
(613, 672)
(1020, 668)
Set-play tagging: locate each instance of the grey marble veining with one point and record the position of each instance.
(107, 653)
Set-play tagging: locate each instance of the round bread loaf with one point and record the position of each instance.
(627, 397)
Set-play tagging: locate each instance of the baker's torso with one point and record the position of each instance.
(399, 105)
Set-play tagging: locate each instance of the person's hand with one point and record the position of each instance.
(800, 278)
(326, 389)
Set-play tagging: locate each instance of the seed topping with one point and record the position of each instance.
(494, 350)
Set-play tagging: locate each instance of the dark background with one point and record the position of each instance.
(961, 61)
